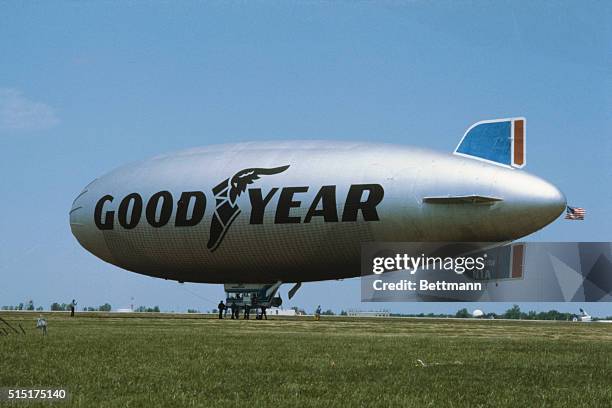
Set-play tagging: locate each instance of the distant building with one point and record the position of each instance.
(359, 313)
(277, 311)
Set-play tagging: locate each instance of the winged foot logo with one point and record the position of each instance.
(226, 193)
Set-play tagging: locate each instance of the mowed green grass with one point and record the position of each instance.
(165, 361)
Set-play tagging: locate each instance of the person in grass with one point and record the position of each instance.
(72, 307)
(221, 307)
(318, 313)
(234, 310)
(41, 324)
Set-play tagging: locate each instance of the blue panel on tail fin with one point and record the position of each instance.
(490, 141)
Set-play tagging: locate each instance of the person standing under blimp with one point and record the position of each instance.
(247, 310)
(234, 310)
(221, 307)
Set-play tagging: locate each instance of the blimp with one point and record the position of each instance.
(255, 215)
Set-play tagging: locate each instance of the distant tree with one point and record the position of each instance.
(56, 307)
(513, 313)
(20, 307)
(343, 313)
(554, 315)
(59, 306)
(105, 308)
(328, 312)
(30, 305)
(463, 313)
(39, 309)
(147, 309)
(193, 311)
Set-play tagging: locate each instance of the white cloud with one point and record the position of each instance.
(18, 113)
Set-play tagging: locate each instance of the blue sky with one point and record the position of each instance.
(88, 86)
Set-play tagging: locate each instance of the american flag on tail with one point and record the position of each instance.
(574, 213)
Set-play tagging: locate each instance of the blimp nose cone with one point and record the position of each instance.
(533, 203)
(542, 197)
(556, 202)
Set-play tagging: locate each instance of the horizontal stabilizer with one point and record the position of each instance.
(468, 199)
(500, 141)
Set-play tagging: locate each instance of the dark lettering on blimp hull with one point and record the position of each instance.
(182, 219)
(159, 207)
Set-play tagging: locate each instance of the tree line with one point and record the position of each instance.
(64, 307)
(516, 313)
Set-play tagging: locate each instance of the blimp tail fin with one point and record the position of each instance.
(500, 141)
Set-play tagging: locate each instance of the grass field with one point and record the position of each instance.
(164, 361)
